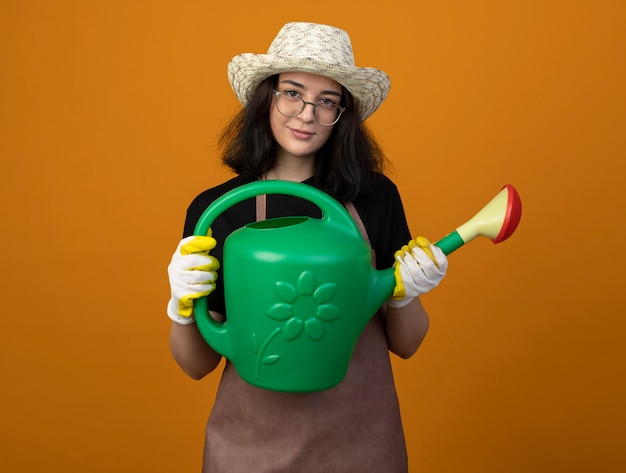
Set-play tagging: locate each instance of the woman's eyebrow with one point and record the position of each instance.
(301, 86)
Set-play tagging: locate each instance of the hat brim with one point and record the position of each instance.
(368, 86)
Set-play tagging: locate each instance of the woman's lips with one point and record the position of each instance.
(301, 134)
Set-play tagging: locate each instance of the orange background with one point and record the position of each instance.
(109, 115)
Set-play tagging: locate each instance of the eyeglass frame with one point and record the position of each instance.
(277, 93)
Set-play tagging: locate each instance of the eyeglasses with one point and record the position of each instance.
(290, 104)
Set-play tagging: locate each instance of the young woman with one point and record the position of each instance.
(304, 104)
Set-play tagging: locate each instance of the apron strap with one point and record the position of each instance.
(357, 219)
(261, 204)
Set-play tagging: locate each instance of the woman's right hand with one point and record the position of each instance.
(192, 274)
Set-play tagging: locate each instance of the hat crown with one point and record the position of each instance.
(321, 43)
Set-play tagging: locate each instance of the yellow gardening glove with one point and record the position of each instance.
(192, 274)
(420, 266)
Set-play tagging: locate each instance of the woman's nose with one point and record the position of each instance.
(308, 113)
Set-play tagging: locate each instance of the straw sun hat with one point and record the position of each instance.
(313, 48)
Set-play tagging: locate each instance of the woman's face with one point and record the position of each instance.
(301, 136)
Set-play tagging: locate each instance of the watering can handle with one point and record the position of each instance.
(331, 209)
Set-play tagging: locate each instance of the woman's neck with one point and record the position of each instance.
(296, 170)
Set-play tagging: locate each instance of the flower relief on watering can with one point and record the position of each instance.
(303, 308)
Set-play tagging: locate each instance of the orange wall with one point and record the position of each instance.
(109, 113)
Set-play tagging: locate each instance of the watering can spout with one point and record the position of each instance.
(497, 221)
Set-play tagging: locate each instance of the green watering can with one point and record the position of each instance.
(299, 291)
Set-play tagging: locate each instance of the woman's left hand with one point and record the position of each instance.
(420, 266)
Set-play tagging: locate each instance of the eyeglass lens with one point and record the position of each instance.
(325, 113)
